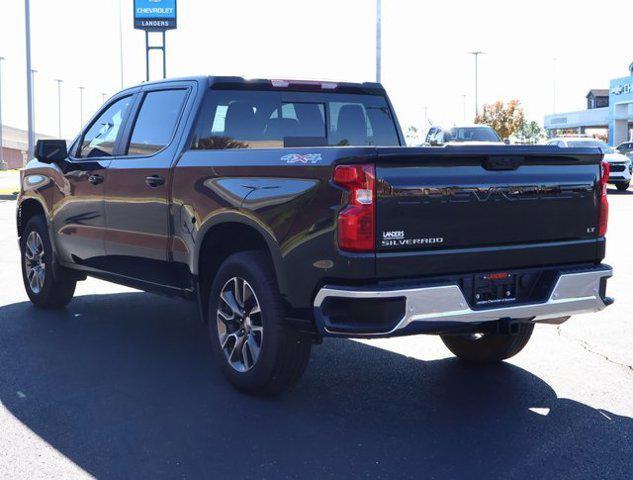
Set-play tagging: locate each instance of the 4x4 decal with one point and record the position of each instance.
(302, 158)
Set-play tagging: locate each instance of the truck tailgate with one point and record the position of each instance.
(435, 200)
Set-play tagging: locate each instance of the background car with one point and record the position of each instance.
(626, 148)
(621, 168)
(471, 134)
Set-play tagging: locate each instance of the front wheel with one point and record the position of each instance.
(45, 288)
(623, 186)
(257, 351)
(489, 347)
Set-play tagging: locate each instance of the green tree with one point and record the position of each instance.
(412, 135)
(504, 118)
(530, 132)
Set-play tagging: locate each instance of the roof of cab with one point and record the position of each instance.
(241, 83)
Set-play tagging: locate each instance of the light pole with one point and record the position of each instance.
(103, 97)
(476, 55)
(121, 41)
(378, 40)
(29, 85)
(1, 142)
(81, 107)
(33, 72)
(554, 87)
(59, 107)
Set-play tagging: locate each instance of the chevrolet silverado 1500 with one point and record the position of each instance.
(291, 211)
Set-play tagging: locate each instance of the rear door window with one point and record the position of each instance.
(156, 121)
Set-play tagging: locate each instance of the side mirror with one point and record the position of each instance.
(51, 151)
(506, 141)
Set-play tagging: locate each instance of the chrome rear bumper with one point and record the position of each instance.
(573, 293)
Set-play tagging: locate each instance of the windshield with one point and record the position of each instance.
(625, 148)
(472, 134)
(604, 148)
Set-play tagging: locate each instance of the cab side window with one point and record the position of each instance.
(156, 121)
(99, 139)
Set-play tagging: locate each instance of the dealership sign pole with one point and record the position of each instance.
(155, 16)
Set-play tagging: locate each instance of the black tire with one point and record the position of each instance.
(283, 352)
(489, 347)
(57, 289)
(622, 186)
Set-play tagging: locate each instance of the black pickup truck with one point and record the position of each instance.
(292, 211)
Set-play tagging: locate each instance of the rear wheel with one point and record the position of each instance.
(257, 351)
(623, 186)
(45, 288)
(489, 347)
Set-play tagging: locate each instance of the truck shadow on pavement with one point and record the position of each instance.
(124, 386)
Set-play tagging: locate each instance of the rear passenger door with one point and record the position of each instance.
(137, 194)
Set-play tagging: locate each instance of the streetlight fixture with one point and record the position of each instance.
(1, 139)
(81, 107)
(476, 54)
(59, 107)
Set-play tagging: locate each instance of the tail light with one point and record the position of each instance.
(603, 215)
(356, 222)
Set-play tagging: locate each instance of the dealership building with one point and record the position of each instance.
(15, 146)
(610, 109)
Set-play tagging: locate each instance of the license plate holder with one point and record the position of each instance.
(495, 288)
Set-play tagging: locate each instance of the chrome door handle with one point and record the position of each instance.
(155, 181)
(95, 179)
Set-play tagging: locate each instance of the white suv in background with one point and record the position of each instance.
(470, 134)
(621, 168)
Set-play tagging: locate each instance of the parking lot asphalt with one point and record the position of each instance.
(121, 385)
(9, 184)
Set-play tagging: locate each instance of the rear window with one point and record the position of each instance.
(604, 148)
(261, 119)
(472, 134)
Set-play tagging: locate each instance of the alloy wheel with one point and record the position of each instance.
(239, 323)
(34, 262)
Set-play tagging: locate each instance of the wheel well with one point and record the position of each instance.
(220, 242)
(28, 209)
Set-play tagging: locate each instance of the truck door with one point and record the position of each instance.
(79, 219)
(137, 194)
